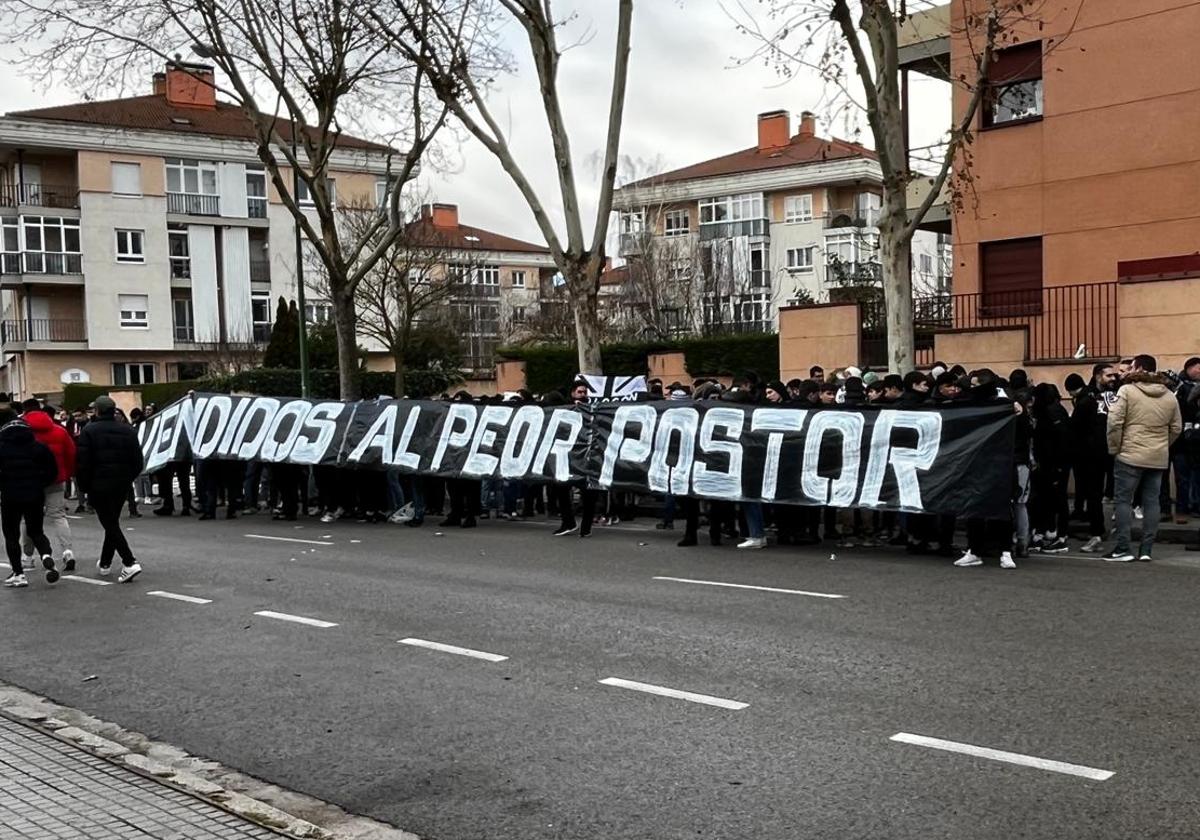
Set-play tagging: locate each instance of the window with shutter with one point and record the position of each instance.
(1011, 274)
(1014, 85)
(127, 179)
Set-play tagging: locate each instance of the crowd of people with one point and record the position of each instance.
(1128, 428)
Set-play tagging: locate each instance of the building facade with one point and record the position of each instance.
(790, 220)
(142, 239)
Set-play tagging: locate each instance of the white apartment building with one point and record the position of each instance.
(791, 219)
(141, 238)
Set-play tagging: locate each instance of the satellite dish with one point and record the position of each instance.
(74, 376)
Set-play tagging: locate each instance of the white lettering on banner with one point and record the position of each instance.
(221, 406)
(673, 478)
(525, 429)
(707, 481)
(164, 435)
(632, 450)
(560, 448)
(378, 436)
(480, 463)
(905, 461)
(849, 425)
(464, 412)
(239, 408)
(273, 450)
(321, 420)
(246, 449)
(404, 458)
(776, 421)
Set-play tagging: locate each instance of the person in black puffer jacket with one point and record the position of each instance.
(26, 469)
(1052, 462)
(108, 459)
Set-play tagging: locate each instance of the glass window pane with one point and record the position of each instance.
(33, 238)
(191, 181)
(173, 181)
(209, 181)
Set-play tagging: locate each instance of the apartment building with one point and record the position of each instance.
(142, 239)
(792, 219)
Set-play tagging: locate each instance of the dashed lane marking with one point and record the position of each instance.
(461, 651)
(285, 539)
(1001, 755)
(706, 699)
(188, 599)
(296, 619)
(748, 586)
(92, 581)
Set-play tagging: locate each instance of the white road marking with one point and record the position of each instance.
(1000, 755)
(285, 539)
(461, 651)
(298, 619)
(747, 586)
(676, 693)
(174, 597)
(73, 516)
(92, 581)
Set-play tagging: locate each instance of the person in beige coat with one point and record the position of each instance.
(1142, 424)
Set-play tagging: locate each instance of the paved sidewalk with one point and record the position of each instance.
(51, 790)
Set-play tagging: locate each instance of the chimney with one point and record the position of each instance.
(444, 215)
(774, 130)
(187, 85)
(808, 124)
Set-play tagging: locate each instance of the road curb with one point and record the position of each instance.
(289, 814)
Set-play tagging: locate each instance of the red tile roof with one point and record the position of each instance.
(801, 149)
(154, 113)
(467, 238)
(615, 276)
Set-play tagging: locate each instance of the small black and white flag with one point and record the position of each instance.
(614, 388)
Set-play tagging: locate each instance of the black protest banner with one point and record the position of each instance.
(956, 459)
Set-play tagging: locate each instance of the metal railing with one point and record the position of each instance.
(185, 333)
(256, 206)
(43, 329)
(49, 262)
(39, 195)
(10, 263)
(262, 333)
(632, 244)
(260, 270)
(728, 230)
(194, 204)
(1059, 319)
(181, 268)
(853, 217)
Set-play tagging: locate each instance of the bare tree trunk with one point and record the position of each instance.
(895, 250)
(584, 287)
(347, 344)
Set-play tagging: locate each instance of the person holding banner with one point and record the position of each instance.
(108, 459)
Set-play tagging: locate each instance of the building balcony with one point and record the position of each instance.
(632, 244)
(260, 271)
(923, 38)
(193, 204)
(473, 291)
(853, 217)
(729, 230)
(256, 207)
(43, 333)
(39, 195)
(48, 266)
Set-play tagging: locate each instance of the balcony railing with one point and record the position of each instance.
(853, 217)
(728, 230)
(262, 333)
(465, 291)
(256, 207)
(185, 333)
(10, 263)
(39, 195)
(43, 329)
(1059, 319)
(181, 268)
(194, 204)
(260, 271)
(47, 262)
(631, 244)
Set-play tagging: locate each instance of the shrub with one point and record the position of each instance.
(80, 396)
(285, 382)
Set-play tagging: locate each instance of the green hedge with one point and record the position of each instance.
(79, 396)
(285, 382)
(550, 366)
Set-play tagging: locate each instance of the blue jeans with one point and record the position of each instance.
(754, 519)
(1131, 481)
(395, 491)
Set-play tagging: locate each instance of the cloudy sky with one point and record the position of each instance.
(688, 100)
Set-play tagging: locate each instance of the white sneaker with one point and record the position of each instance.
(968, 559)
(27, 562)
(1091, 546)
(327, 517)
(15, 581)
(753, 542)
(562, 532)
(1006, 560)
(1115, 556)
(1137, 513)
(103, 571)
(128, 573)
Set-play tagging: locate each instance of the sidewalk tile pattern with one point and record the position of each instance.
(50, 790)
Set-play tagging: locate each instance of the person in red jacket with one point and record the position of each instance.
(59, 441)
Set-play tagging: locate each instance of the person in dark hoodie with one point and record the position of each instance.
(62, 446)
(1089, 455)
(1052, 461)
(26, 469)
(108, 459)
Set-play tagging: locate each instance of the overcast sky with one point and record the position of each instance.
(687, 101)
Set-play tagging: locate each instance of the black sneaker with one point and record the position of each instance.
(562, 532)
(165, 511)
(1055, 546)
(1115, 556)
(52, 573)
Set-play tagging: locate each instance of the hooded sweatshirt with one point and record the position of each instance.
(57, 439)
(26, 466)
(1144, 422)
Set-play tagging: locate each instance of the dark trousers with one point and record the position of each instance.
(566, 507)
(108, 514)
(464, 499)
(285, 478)
(1089, 493)
(217, 476)
(1050, 509)
(182, 471)
(988, 536)
(721, 517)
(11, 514)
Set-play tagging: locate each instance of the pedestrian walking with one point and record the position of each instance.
(26, 468)
(108, 459)
(1142, 424)
(55, 438)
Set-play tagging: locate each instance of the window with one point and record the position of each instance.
(130, 246)
(191, 177)
(1011, 275)
(798, 208)
(800, 260)
(51, 245)
(1014, 85)
(383, 190)
(731, 208)
(633, 222)
(676, 223)
(134, 310)
(256, 192)
(759, 275)
(304, 199)
(318, 313)
(132, 373)
(185, 326)
(518, 316)
(850, 247)
(127, 179)
(482, 275)
(260, 315)
(10, 246)
(179, 254)
(518, 279)
(927, 263)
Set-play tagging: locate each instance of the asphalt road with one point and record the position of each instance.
(1067, 659)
